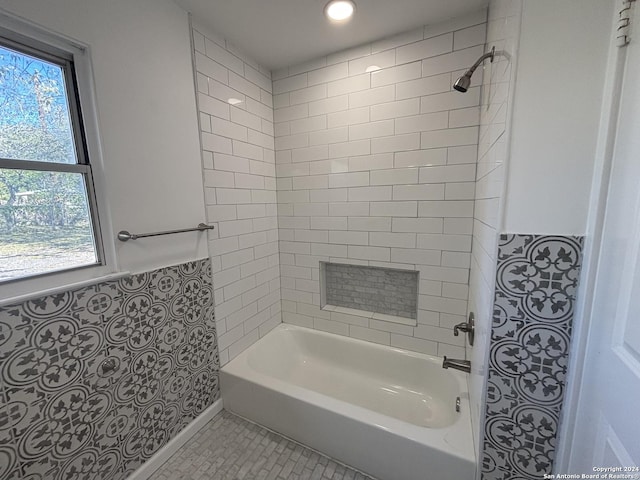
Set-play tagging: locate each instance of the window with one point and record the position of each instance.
(48, 213)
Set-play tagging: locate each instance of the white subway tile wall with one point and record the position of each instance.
(375, 165)
(498, 80)
(236, 122)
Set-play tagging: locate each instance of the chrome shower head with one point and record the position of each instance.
(462, 83)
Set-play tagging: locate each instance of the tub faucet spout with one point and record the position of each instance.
(462, 365)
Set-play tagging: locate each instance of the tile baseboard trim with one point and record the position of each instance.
(147, 469)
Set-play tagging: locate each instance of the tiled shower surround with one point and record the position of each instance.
(372, 289)
(376, 165)
(503, 31)
(236, 128)
(63, 415)
(536, 283)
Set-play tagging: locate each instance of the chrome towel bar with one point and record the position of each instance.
(124, 236)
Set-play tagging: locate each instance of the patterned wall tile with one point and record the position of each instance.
(536, 283)
(63, 415)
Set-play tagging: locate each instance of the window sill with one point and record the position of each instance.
(20, 298)
(375, 316)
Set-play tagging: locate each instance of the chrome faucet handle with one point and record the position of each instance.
(465, 327)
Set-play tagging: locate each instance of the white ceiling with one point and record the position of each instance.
(277, 33)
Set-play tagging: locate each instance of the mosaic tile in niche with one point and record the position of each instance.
(372, 289)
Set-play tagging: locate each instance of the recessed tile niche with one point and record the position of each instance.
(380, 292)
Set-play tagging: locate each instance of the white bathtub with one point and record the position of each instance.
(388, 412)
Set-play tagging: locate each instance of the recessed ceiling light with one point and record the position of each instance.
(234, 101)
(371, 68)
(339, 10)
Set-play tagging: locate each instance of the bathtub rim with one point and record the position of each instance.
(387, 366)
(456, 439)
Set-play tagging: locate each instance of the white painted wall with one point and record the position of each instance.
(240, 191)
(493, 147)
(561, 68)
(147, 117)
(378, 169)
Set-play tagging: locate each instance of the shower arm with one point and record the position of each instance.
(490, 55)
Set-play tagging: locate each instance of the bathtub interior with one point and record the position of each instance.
(403, 385)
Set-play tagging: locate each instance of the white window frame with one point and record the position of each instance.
(23, 32)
